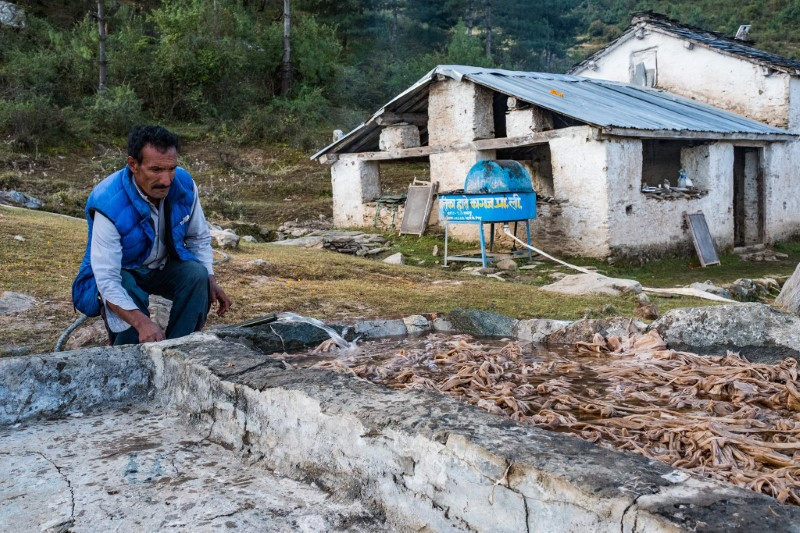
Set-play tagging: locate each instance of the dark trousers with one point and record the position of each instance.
(183, 282)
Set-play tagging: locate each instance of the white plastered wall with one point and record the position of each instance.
(703, 74)
(580, 175)
(782, 191)
(354, 182)
(458, 112)
(642, 225)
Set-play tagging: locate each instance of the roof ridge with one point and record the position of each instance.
(652, 16)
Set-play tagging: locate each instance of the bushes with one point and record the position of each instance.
(31, 122)
(115, 110)
(299, 121)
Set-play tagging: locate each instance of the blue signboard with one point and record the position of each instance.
(499, 207)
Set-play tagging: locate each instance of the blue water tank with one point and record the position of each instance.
(486, 177)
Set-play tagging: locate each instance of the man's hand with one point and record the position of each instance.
(219, 296)
(148, 330)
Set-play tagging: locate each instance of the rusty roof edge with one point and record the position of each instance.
(614, 131)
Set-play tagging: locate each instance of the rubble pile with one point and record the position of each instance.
(319, 234)
(673, 193)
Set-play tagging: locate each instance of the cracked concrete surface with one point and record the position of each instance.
(141, 470)
(415, 460)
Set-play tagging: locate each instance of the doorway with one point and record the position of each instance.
(748, 196)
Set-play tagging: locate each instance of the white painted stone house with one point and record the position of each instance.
(589, 145)
(730, 74)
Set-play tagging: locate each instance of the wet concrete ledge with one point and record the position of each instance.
(430, 461)
(423, 460)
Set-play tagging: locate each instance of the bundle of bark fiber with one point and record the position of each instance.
(720, 417)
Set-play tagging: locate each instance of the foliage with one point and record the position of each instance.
(287, 119)
(32, 121)
(115, 110)
(217, 64)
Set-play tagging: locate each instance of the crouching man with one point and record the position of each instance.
(147, 235)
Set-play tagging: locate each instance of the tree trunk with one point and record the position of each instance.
(489, 28)
(286, 66)
(101, 52)
(393, 36)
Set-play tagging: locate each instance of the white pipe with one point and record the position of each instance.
(684, 291)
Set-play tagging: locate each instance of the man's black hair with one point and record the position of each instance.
(160, 138)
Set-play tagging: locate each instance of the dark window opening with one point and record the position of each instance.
(499, 110)
(536, 160)
(661, 162)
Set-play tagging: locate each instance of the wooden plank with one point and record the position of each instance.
(387, 118)
(419, 203)
(701, 135)
(701, 237)
(482, 144)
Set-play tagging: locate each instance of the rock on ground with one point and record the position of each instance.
(481, 323)
(579, 284)
(15, 302)
(19, 199)
(395, 259)
(11, 15)
(755, 330)
(224, 238)
(712, 289)
(507, 264)
(746, 290)
(789, 298)
(537, 329)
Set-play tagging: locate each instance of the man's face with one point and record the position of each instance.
(155, 173)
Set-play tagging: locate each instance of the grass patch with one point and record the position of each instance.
(682, 271)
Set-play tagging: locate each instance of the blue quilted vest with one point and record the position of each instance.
(117, 198)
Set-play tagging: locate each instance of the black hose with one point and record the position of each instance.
(67, 332)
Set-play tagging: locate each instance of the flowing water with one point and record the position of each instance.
(344, 346)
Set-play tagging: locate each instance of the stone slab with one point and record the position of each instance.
(581, 284)
(481, 323)
(142, 470)
(373, 329)
(62, 383)
(15, 302)
(756, 331)
(789, 298)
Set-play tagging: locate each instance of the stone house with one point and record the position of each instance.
(728, 73)
(597, 151)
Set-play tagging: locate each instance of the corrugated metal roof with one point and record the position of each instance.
(600, 103)
(702, 37)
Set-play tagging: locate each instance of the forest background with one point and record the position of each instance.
(213, 67)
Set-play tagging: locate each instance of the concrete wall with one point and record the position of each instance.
(354, 183)
(781, 185)
(640, 224)
(702, 74)
(459, 112)
(580, 173)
